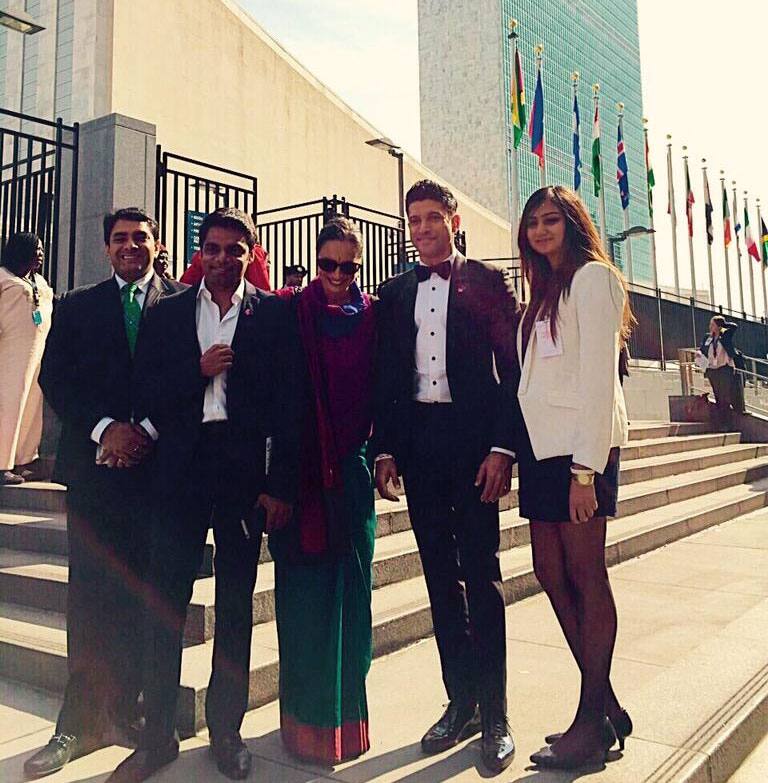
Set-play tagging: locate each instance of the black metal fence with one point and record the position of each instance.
(38, 186)
(186, 191)
(289, 235)
(667, 323)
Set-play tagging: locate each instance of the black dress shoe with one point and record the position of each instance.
(9, 478)
(607, 731)
(61, 748)
(232, 756)
(498, 745)
(142, 764)
(459, 722)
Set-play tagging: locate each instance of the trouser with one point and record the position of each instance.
(108, 550)
(458, 539)
(212, 495)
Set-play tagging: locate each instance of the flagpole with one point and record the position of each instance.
(603, 230)
(738, 247)
(630, 269)
(650, 211)
(514, 218)
(749, 258)
(690, 232)
(762, 257)
(540, 68)
(724, 195)
(673, 213)
(708, 195)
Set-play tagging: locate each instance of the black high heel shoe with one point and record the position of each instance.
(623, 727)
(550, 759)
(608, 733)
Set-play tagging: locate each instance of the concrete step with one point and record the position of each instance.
(39, 580)
(33, 641)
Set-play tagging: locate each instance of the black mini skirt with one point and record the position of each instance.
(544, 485)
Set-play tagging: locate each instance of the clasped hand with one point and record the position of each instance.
(124, 445)
(216, 360)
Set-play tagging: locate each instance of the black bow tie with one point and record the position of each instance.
(424, 272)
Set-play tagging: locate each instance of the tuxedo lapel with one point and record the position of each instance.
(407, 310)
(454, 320)
(154, 292)
(248, 309)
(113, 309)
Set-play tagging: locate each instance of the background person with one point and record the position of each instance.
(26, 306)
(294, 276)
(323, 559)
(256, 274)
(721, 354)
(574, 423)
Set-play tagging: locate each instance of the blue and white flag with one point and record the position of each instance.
(576, 145)
(622, 173)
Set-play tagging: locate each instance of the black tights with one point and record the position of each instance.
(569, 562)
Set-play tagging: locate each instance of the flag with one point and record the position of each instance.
(596, 160)
(536, 128)
(689, 200)
(519, 117)
(576, 144)
(708, 211)
(764, 240)
(670, 186)
(651, 179)
(622, 174)
(748, 239)
(727, 238)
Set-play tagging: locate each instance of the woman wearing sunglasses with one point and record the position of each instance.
(323, 558)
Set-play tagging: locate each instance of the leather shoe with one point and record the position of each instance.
(9, 478)
(459, 722)
(142, 764)
(497, 744)
(232, 756)
(60, 750)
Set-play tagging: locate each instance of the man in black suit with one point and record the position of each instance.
(86, 377)
(221, 367)
(446, 418)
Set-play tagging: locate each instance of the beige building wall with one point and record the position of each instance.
(219, 89)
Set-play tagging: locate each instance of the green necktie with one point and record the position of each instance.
(131, 313)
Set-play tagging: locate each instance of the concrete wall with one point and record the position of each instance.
(219, 89)
(647, 393)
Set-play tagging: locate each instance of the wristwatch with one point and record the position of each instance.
(586, 478)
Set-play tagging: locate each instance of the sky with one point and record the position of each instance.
(704, 72)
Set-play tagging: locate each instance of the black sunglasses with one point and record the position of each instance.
(330, 266)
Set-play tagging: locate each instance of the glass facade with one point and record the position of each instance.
(599, 39)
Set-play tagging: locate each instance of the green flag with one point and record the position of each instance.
(596, 161)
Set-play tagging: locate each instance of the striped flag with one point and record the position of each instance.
(622, 173)
(689, 200)
(576, 144)
(764, 240)
(536, 127)
(651, 178)
(708, 211)
(727, 238)
(596, 158)
(519, 116)
(748, 238)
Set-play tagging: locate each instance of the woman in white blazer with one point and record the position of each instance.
(575, 421)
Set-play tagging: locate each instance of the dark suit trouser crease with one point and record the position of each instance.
(458, 539)
(108, 548)
(211, 495)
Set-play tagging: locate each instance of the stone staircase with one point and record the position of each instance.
(676, 479)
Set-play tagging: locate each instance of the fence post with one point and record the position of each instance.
(693, 320)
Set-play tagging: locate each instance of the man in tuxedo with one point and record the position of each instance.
(218, 366)
(86, 377)
(446, 419)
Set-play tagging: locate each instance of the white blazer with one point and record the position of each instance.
(573, 403)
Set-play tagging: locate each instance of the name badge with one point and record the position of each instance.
(546, 345)
(37, 317)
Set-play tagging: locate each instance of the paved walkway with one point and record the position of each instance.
(686, 602)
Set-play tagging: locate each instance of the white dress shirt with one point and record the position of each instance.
(212, 329)
(142, 284)
(431, 317)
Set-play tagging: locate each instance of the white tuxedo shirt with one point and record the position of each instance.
(572, 402)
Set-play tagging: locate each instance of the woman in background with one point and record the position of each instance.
(26, 306)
